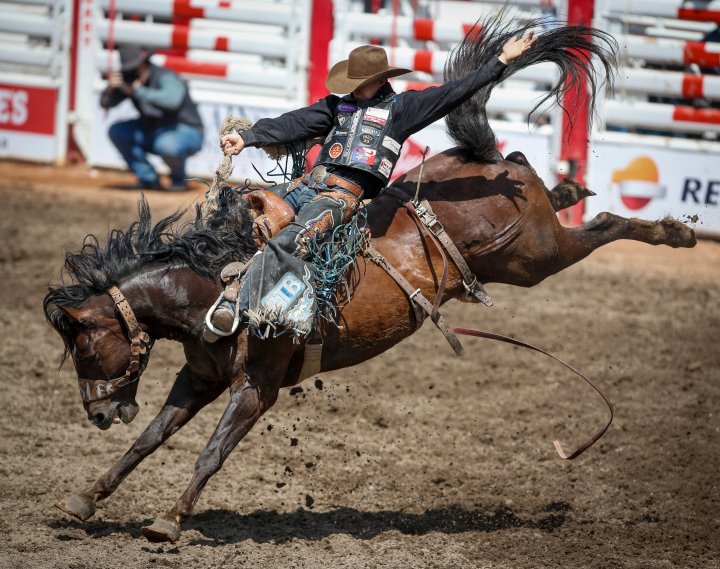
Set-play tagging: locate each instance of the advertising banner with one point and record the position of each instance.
(651, 181)
(27, 122)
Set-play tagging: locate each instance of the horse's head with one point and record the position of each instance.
(109, 350)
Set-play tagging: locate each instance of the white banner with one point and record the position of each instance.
(650, 181)
(536, 146)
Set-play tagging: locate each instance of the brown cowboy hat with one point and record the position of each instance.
(366, 64)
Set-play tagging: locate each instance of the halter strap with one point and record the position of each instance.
(140, 345)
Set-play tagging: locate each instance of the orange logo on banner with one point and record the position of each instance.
(639, 183)
(27, 109)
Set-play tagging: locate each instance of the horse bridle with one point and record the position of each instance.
(140, 345)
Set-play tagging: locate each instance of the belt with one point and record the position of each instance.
(330, 180)
(333, 180)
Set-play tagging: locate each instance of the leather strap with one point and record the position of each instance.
(417, 298)
(140, 345)
(333, 180)
(592, 440)
(312, 360)
(436, 230)
(426, 215)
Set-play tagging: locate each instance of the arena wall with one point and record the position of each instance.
(263, 57)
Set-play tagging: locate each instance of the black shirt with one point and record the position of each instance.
(412, 111)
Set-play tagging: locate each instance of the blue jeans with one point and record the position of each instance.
(172, 143)
(300, 196)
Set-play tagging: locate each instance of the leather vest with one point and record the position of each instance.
(363, 139)
(154, 116)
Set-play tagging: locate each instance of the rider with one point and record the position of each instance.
(363, 132)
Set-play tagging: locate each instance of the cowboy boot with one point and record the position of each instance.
(224, 316)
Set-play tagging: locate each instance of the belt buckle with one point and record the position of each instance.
(318, 174)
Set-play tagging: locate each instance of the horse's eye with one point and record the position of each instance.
(82, 342)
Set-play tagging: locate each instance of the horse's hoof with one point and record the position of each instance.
(162, 530)
(678, 234)
(79, 506)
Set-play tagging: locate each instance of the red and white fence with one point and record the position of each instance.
(423, 44)
(657, 150)
(34, 43)
(702, 10)
(262, 57)
(244, 57)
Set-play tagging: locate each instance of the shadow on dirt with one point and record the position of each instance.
(222, 527)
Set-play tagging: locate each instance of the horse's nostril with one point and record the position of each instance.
(98, 419)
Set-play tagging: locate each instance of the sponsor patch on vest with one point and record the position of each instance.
(335, 150)
(368, 139)
(392, 144)
(376, 115)
(342, 119)
(364, 155)
(385, 167)
(370, 130)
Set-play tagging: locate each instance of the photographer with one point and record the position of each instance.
(169, 124)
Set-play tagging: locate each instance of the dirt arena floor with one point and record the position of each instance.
(415, 459)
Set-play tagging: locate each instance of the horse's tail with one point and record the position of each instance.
(571, 48)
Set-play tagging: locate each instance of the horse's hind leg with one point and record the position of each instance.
(566, 194)
(578, 242)
(187, 396)
(253, 395)
(606, 227)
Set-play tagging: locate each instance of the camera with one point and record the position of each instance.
(129, 77)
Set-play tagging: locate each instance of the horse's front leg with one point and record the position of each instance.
(255, 391)
(188, 395)
(246, 405)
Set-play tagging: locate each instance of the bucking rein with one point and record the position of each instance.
(266, 226)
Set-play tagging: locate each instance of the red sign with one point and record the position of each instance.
(27, 109)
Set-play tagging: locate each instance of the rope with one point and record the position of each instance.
(422, 167)
(297, 153)
(332, 259)
(222, 173)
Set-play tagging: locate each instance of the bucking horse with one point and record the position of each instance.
(158, 281)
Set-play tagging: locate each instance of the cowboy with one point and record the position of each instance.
(169, 124)
(363, 134)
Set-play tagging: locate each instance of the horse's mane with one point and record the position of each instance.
(203, 245)
(571, 48)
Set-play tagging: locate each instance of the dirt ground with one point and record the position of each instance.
(414, 459)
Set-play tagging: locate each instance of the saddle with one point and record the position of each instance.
(270, 214)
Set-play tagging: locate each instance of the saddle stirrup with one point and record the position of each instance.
(236, 319)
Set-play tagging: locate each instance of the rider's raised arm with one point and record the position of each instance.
(414, 110)
(301, 124)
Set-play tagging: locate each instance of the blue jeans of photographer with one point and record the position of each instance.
(173, 143)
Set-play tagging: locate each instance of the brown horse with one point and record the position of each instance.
(497, 211)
